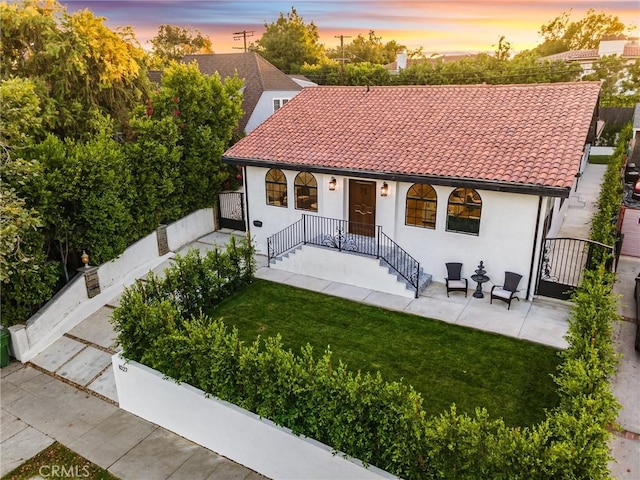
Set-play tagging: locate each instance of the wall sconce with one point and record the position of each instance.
(332, 184)
(384, 190)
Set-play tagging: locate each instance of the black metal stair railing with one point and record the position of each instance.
(343, 235)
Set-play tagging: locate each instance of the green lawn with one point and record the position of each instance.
(446, 363)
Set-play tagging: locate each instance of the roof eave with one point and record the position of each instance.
(480, 184)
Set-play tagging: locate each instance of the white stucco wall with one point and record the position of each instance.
(505, 242)
(364, 272)
(72, 305)
(264, 107)
(229, 430)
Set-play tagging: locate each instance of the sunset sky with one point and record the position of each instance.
(438, 26)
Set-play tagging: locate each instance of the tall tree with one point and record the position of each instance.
(206, 111)
(173, 43)
(371, 49)
(87, 68)
(289, 42)
(27, 276)
(561, 34)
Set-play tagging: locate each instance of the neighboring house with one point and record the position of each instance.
(624, 47)
(448, 173)
(266, 89)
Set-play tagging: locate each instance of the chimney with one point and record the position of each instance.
(401, 60)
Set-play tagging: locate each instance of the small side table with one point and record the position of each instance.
(480, 278)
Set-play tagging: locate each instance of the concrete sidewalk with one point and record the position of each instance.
(38, 409)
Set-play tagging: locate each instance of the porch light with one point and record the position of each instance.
(85, 259)
(332, 184)
(384, 190)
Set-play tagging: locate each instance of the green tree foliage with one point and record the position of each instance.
(289, 42)
(154, 156)
(89, 202)
(620, 81)
(561, 34)
(27, 277)
(206, 111)
(370, 49)
(87, 68)
(525, 67)
(173, 43)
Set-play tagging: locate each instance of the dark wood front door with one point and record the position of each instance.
(362, 207)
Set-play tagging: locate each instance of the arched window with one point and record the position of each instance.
(463, 211)
(422, 203)
(276, 184)
(306, 192)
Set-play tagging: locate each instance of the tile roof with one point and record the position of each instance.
(631, 51)
(259, 76)
(511, 134)
(574, 55)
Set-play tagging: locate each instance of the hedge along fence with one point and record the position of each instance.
(382, 423)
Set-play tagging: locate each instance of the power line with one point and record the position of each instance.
(342, 59)
(242, 35)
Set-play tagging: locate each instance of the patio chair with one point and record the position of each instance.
(506, 292)
(454, 281)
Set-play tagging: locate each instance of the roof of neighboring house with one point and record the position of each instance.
(592, 54)
(574, 55)
(632, 51)
(259, 76)
(499, 135)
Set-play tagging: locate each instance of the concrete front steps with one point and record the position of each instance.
(348, 268)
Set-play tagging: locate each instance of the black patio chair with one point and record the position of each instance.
(454, 280)
(507, 292)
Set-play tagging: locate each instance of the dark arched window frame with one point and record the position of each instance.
(421, 206)
(276, 187)
(306, 192)
(464, 210)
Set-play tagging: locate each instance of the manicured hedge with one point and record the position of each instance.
(383, 423)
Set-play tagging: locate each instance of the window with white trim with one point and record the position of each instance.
(278, 103)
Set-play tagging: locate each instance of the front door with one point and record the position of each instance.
(362, 207)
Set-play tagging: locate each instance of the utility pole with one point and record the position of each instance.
(342, 59)
(243, 34)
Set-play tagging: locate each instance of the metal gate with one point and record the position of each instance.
(231, 210)
(563, 263)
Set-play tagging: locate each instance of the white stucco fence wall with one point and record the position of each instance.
(230, 431)
(71, 305)
(601, 151)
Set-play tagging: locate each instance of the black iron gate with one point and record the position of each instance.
(231, 210)
(563, 263)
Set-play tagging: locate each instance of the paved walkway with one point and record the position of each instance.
(67, 392)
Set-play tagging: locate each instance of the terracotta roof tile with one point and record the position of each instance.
(572, 55)
(523, 134)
